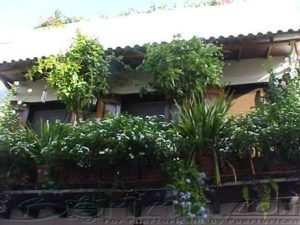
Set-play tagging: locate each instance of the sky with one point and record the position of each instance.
(26, 14)
(29, 13)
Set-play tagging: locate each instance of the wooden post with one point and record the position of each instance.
(100, 107)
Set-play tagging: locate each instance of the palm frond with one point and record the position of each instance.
(201, 121)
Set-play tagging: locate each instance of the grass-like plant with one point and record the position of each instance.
(49, 138)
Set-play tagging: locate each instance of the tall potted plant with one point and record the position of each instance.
(42, 144)
(201, 121)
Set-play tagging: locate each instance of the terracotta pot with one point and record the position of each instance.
(42, 173)
(151, 174)
(211, 92)
(206, 164)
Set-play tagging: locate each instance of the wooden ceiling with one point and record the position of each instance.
(237, 48)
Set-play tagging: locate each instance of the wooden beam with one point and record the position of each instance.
(100, 107)
(239, 53)
(292, 44)
(296, 44)
(268, 51)
(256, 44)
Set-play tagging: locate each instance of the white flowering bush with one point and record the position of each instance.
(119, 140)
(272, 130)
(124, 139)
(115, 143)
(15, 165)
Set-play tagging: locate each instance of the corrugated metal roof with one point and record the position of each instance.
(230, 21)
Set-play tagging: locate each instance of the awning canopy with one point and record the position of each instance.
(224, 24)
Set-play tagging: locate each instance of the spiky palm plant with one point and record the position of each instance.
(46, 140)
(201, 121)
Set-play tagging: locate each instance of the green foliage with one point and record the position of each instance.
(8, 115)
(200, 122)
(272, 129)
(182, 68)
(13, 163)
(264, 194)
(79, 75)
(245, 194)
(187, 185)
(265, 197)
(121, 140)
(58, 20)
(125, 139)
(47, 139)
(9, 124)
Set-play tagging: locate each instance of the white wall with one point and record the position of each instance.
(247, 71)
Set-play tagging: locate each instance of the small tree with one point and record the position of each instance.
(78, 76)
(201, 122)
(182, 68)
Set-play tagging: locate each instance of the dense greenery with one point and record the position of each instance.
(116, 140)
(78, 75)
(182, 68)
(271, 131)
(15, 165)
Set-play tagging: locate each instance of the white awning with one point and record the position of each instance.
(204, 22)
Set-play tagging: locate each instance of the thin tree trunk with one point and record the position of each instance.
(233, 170)
(217, 168)
(252, 166)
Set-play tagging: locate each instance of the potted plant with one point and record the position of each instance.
(42, 145)
(201, 122)
(182, 67)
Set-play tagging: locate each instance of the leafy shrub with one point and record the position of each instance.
(124, 139)
(272, 129)
(78, 75)
(119, 140)
(182, 68)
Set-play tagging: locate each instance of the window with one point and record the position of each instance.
(46, 111)
(146, 106)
